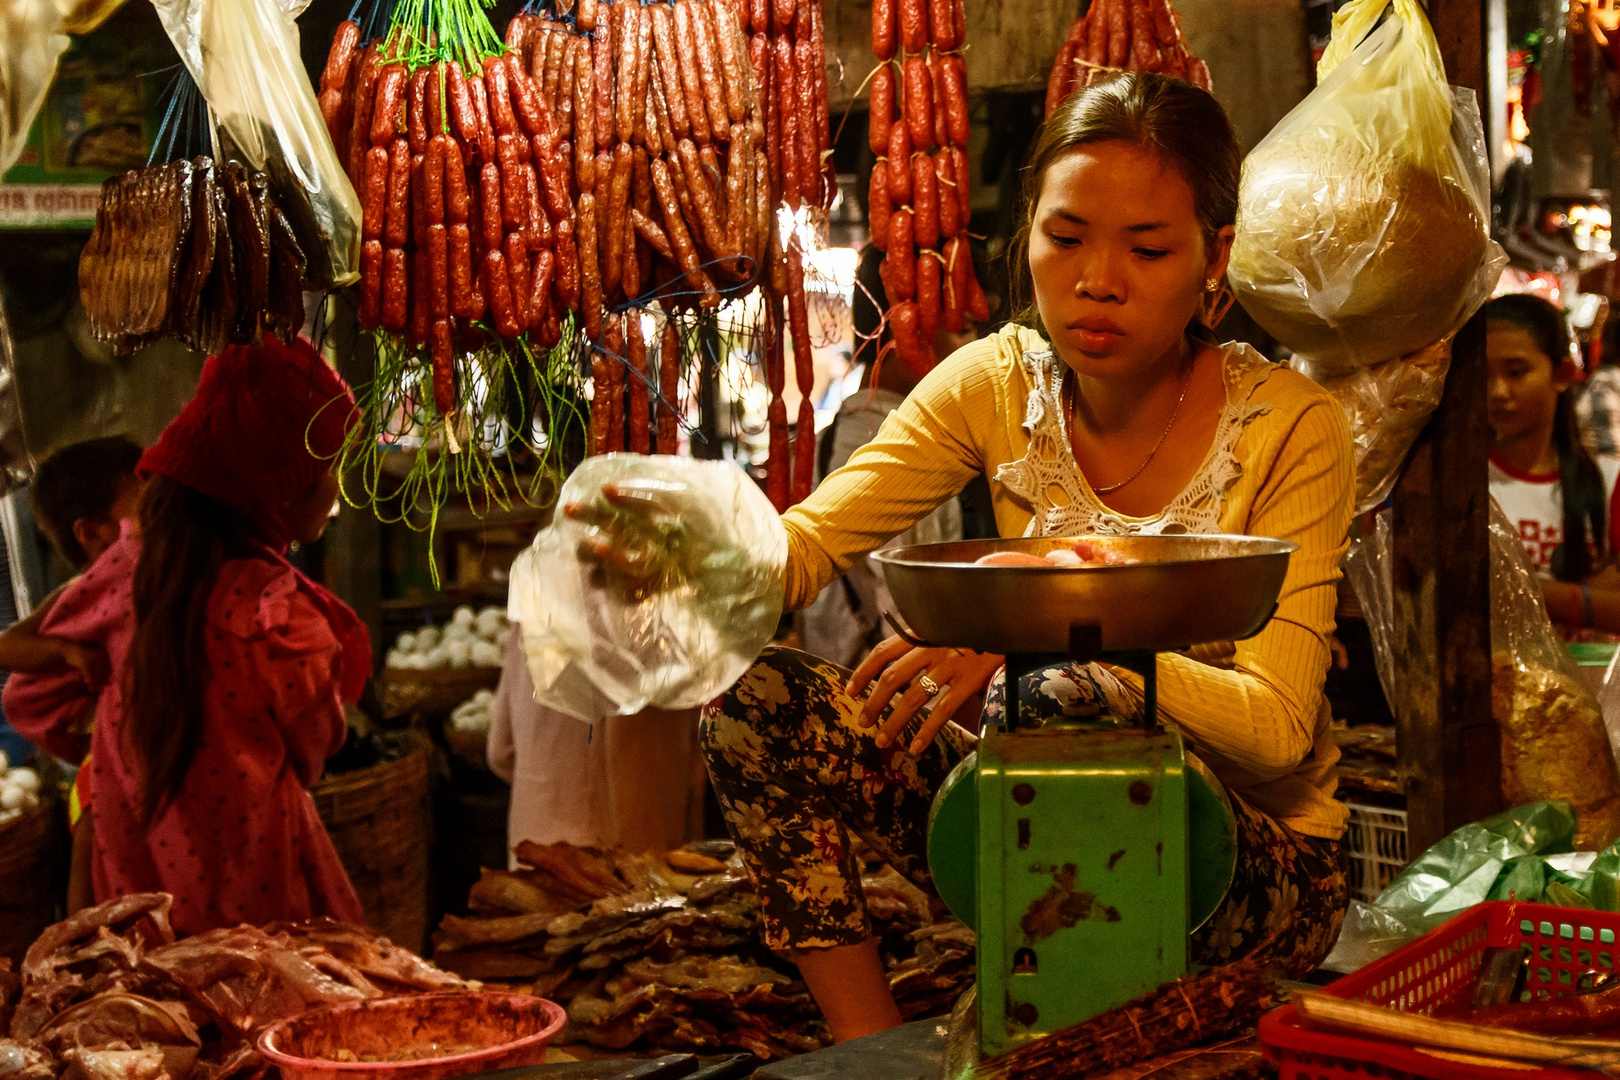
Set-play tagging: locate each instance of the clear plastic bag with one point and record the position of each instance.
(244, 57)
(1555, 744)
(1387, 405)
(35, 33)
(706, 599)
(1363, 221)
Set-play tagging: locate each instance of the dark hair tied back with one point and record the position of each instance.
(1185, 126)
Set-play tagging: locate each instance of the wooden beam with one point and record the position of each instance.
(1449, 747)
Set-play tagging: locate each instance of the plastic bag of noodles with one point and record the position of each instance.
(1363, 219)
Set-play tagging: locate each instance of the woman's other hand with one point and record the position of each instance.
(90, 661)
(911, 677)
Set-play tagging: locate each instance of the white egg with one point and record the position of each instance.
(417, 662)
(490, 622)
(395, 659)
(464, 617)
(5, 763)
(406, 642)
(427, 638)
(484, 697)
(486, 655)
(459, 654)
(504, 637)
(12, 797)
(459, 633)
(27, 779)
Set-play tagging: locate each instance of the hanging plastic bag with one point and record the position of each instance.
(1554, 741)
(705, 599)
(35, 33)
(1363, 220)
(1387, 405)
(244, 57)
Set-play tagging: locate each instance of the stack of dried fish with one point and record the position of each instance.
(666, 952)
(110, 994)
(1368, 761)
(193, 251)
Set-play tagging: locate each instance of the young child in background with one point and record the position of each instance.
(81, 496)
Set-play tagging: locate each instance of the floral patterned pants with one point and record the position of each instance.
(796, 775)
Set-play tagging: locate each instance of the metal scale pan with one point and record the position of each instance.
(1073, 818)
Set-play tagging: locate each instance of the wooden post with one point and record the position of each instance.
(354, 539)
(1450, 752)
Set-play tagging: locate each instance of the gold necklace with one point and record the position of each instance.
(1186, 384)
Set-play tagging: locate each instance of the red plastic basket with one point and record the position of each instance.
(1565, 944)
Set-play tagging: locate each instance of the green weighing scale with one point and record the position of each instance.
(1082, 854)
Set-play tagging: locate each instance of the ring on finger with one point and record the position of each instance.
(928, 685)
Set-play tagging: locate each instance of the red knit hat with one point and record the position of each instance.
(265, 423)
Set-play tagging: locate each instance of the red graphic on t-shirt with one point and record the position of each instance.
(1540, 541)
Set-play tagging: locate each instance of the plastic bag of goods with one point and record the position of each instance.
(1363, 218)
(1554, 742)
(35, 34)
(693, 595)
(244, 57)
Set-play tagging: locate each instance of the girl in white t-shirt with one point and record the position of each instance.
(1540, 474)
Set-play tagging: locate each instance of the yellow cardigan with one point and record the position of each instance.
(1254, 710)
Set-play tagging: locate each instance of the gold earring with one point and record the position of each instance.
(1212, 284)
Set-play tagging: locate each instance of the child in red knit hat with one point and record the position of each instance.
(229, 667)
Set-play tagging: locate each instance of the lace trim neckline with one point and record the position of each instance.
(1050, 482)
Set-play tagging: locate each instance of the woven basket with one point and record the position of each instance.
(35, 849)
(381, 822)
(430, 695)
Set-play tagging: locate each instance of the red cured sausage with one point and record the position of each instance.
(517, 274)
(444, 368)
(601, 389)
(618, 208)
(375, 205)
(1144, 49)
(936, 78)
(335, 76)
(498, 286)
(416, 111)
(638, 419)
(901, 258)
(567, 264)
(725, 35)
(584, 122)
(978, 308)
(708, 67)
(788, 130)
(545, 265)
(669, 367)
(436, 97)
(396, 291)
(964, 192)
(585, 17)
(950, 222)
(397, 226)
(953, 76)
(388, 112)
(486, 129)
(914, 350)
(1119, 33)
(804, 82)
(457, 203)
(463, 115)
(919, 104)
(553, 172)
(421, 289)
(900, 163)
(438, 263)
(913, 25)
(924, 202)
(686, 65)
(365, 97)
(536, 227)
(499, 93)
(590, 267)
(942, 24)
(884, 32)
(460, 272)
(489, 202)
(881, 113)
(928, 292)
(431, 196)
(879, 207)
(613, 399)
(371, 281)
(514, 214)
(602, 81)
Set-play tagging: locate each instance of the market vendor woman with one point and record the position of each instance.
(1110, 411)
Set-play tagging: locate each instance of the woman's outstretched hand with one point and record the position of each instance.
(910, 677)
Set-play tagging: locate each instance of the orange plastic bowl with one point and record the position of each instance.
(426, 1037)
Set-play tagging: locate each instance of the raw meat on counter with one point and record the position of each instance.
(1081, 553)
(110, 994)
(666, 952)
